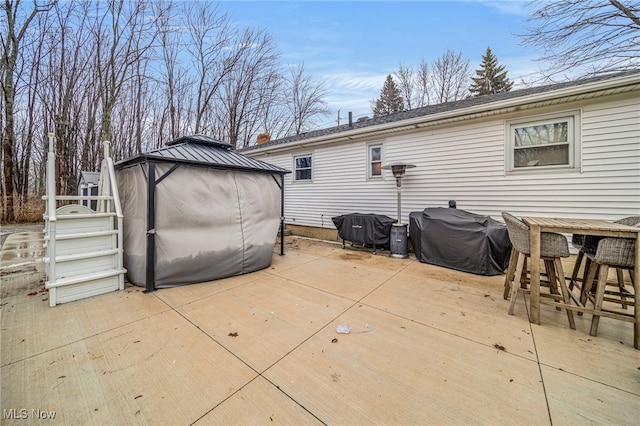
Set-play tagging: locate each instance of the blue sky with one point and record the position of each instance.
(353, 45)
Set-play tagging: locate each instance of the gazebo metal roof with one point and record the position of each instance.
(202, 150)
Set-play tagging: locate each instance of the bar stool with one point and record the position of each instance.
(553, 247)
(588, 250)
(611, 252)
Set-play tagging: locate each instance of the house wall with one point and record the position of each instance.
(465, 162)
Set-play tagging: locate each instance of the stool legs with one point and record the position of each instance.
(576, 270)
(515, 285)
(602, 283)
(565, 291)
(621, 288)
(510, 273)
(587, 283)
(549, 266)
(556, 278)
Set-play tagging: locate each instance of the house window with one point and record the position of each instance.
(544, 142)
(302, 167)
(375, 160)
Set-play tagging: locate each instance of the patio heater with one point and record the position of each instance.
(398, 238)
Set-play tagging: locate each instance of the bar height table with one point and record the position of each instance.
(539, 225)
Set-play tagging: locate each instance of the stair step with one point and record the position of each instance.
(84, 278)
(88, 234)
(80, 197)
(84, 215)
(84, 223)
(85, 255)
(84, 242)
(79, 264)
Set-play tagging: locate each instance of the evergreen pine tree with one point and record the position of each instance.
(390, 100)
(491, 77)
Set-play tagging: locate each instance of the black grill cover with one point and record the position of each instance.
(364, 228)
(460, 240)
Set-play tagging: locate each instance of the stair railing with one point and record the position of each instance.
(108, 200)
(110, 170)
(50, 212)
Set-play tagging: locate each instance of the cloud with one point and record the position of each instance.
(356, 81)
(352, 92)
(510, 7)
(521, 67)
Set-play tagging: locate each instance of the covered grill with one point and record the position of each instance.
(371, 229)
(461, 240)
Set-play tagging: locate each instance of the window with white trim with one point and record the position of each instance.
(374, 159)
(302, 166)
(544, 142)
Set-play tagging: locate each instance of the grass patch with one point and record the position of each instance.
(27, 211)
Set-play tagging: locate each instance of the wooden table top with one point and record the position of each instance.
(583, 226)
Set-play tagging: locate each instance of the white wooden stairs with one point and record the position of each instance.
(83, 246)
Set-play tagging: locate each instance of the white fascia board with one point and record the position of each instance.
(625, 83)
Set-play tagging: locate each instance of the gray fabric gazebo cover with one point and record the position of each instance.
(216, 213)
(461, 240)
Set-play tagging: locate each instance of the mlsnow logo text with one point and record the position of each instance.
(23, 413)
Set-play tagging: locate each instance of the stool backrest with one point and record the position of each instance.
(590, 243)
(630, 221)
(518, 232)
(618, 251)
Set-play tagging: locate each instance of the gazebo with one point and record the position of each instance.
(197, 211)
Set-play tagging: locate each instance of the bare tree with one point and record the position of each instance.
(122, 38)
(591, 36)
(142, 86)
(212, 53)
(406, 85)
(32, 74)
(414, 86)
(262, 109)
(66, 70)
(245, 88)
(450, 77)
(272, 118)
(113, 69)
(11, 36)
(174, 78)
(423, 86)
(305, 99)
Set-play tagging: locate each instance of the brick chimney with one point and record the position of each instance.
(263, 138)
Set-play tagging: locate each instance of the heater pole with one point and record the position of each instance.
(399, 184)
(398, 236)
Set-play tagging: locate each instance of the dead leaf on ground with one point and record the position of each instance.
(499, 347)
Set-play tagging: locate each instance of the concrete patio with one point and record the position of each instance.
(427, 345)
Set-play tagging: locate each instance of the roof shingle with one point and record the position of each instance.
(439, 108)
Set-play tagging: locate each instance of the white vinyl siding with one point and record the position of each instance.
(465, 161)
